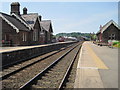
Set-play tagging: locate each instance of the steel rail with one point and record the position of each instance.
(11, 73)
(31, 81)
(68, 71)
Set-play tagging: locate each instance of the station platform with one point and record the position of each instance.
(97, 67)
(10, 49)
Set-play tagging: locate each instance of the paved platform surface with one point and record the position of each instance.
(97, 67)
(9, 49)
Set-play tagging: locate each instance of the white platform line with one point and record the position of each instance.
(79, 62)
(87, 68)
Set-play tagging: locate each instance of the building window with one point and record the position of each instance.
(35, 35)
(24, 37)
(6, 37)
(109, 37)
(30, 22)
(112, 37)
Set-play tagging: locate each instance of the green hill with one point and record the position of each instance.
(74, 34)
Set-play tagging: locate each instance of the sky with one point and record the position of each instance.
(67, 17)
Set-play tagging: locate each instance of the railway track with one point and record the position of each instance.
(21, 76)
(56, 74)
(72, 75)
(6, 72)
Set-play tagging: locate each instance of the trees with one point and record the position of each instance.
(74, 34)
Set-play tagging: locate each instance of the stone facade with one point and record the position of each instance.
(24, 29)
(110, 31)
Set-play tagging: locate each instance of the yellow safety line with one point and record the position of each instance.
(100, 64)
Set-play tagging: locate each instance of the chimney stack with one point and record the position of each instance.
(24, 10)
(15, 8)
(40, 17)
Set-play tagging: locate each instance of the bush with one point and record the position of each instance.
(119, 44)
(116, 44)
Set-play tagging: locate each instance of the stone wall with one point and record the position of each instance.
(111, 30)
(25, 54)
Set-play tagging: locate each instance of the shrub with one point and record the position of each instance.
(116, 44)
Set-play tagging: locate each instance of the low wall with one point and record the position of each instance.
(28, 53)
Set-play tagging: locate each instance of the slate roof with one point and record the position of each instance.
(21, 20)
(26, 21)
(30, 18)
(107, 25)
(46, 24)
(16, 24)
